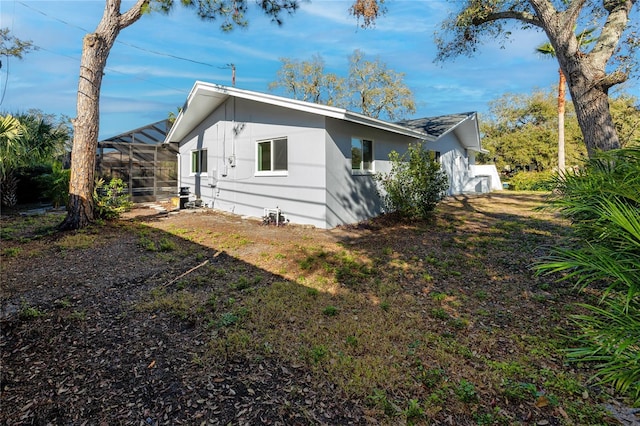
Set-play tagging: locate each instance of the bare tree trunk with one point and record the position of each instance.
(561, 109)
(589, 87)
(589, 92)
(95, 51)
(594, 118)
(80, 208)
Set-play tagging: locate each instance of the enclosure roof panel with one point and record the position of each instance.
(152, 134)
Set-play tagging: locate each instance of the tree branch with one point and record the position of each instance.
(508, 14)
(573, 11)
(133, 14)
(612, 79)
(611, 31)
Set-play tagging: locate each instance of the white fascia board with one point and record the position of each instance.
(200, 103)
(274, 100)
(204, 98)
(476, 146)
(294, 104)
(458, 124)
(476, 149)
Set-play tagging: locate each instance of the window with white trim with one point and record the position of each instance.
(272, 157)
(199, 161)
(361, 155)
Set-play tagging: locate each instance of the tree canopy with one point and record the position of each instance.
(13, 46)
(370, 86)
(308, 81)
(591, 71)
(520, 130)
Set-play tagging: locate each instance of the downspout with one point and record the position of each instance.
(233, 135)
(179, 174)
(224, 143)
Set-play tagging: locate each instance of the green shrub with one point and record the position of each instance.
(611, 339)
(603, 203)
(532, 181)
(415, 184)
(111, 199)
(56, 184)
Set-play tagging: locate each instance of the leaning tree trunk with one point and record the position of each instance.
(95, 51)
(594, 117)
(586, 73)
(589, 86)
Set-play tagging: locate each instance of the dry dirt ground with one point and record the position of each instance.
(142, 321)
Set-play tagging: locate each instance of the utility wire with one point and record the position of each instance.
(111, 70)
(155, 52)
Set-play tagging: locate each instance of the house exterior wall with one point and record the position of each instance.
(353, 197)
(319, 187)
(230, 135)
(490, 171)
(454, 160)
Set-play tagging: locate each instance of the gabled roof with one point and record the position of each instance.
(464, 125)
(204, 98)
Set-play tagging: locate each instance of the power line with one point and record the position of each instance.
(133, 46)
(111, 70)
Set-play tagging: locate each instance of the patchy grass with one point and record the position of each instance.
(77, 241)
(418, 322)
(27, 228)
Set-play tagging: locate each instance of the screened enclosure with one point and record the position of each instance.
(141, 159)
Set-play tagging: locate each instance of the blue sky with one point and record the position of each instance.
(155, 62)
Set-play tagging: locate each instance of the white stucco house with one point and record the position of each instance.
(242, 151)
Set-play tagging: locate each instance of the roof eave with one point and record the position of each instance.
(204, 98)
(477, 146)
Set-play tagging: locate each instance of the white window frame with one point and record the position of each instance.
(271, 171)
(201, 153)
(362, 170)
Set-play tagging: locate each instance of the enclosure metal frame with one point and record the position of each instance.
(139, 157)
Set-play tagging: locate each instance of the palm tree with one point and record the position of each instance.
(27, 140)
(548, 50)
(11, 132)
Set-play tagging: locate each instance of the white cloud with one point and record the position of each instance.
(334, 11)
